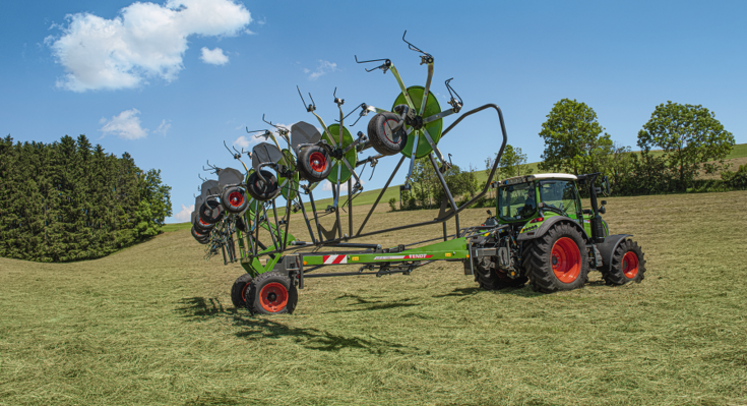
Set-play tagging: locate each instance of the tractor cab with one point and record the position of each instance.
(532, 199)
(524, 198)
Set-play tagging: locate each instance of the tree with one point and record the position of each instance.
(512, 163)
(572, 139)
(690, 137)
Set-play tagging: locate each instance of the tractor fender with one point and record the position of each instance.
(539, 232)
(608, 247)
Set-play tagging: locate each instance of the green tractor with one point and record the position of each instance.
(545, 237)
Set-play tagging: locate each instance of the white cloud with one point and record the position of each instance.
(327, 186)
(125, 125)
(323, 68)
(145, 40)
(214, 57)
(184, 214)
(163, 128)
(245, 141)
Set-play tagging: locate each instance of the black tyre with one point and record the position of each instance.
(234, 200)
(385, 140)
(271, 293)
(628, 264)
(489, 277)
(202, 227)
(202, 238)
(210, 212)
(314, 163)
(260, 189)
(557, 260)
(238, 291)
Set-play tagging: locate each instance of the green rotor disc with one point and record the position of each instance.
(434, 128)
(351, 156)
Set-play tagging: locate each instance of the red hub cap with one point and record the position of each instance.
(566, 260)
(318, 162)
(630, 264)
(235, 199)
(273, 297)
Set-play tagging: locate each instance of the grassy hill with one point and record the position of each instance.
(154, 325)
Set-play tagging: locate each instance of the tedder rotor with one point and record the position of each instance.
(550, 240)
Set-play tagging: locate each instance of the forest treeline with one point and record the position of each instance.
(70, 201)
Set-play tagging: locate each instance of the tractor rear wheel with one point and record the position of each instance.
(238, 291)
(271, 293)
(628, 264)
(490, 278)
(557, 260)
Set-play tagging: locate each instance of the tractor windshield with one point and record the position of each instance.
(560, 194)
(517, 202)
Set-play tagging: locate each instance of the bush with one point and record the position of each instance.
(393, 204)
(736, 180)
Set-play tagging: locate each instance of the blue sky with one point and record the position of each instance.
(168, 82)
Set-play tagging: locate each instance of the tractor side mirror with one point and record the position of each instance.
(490, 213)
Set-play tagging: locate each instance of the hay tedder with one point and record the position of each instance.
(541, 234)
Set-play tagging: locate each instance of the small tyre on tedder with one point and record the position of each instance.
(238, 291)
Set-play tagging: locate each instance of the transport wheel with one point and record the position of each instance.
(238, 291)
(271, 293)
(202, 227)
(555, 261)
(261, 190)
(234, 200)
(202, 238)
(628, 264)
(385, 140)
(210, 212)
(490, 278)
(314, 163)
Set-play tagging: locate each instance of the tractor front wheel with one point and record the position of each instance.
(627, 264)
(271, 293)
(557, 260)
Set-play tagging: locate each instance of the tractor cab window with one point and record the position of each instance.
(517, 202)
(560, 194)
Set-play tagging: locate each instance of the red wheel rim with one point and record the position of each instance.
(318, 162)
(630, 264)
(243, 292)
(204, 223)
(235, 199)
(273, 297)
(388, 129)
(566, 260)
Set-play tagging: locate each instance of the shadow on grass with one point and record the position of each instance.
(200, 307)
(197, 308)
(467, 292)
(315, 339)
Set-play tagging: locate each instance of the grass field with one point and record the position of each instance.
(154, 325)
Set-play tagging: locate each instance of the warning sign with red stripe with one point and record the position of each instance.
(335, 259)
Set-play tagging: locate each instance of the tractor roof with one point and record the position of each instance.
(528, 178)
